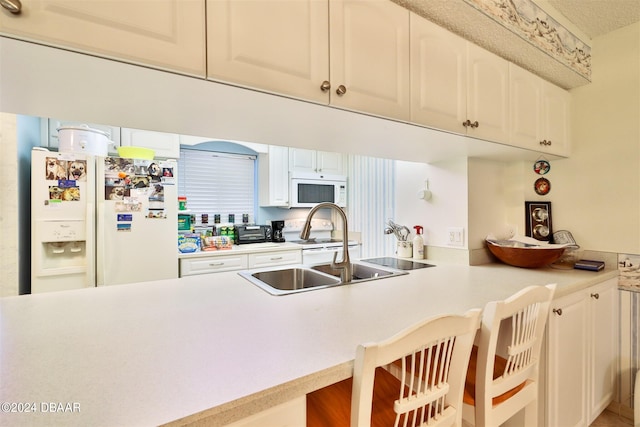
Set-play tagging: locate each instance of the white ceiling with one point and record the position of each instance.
(598, 17)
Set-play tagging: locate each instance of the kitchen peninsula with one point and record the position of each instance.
(216, 348)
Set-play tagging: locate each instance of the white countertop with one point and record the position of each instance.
(245, 249)
(196, 348)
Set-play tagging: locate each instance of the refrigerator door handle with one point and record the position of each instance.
(90, 245)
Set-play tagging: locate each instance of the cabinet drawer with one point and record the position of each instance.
(213, 264)
(275, 258)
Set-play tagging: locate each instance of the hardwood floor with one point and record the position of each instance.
(611, 419)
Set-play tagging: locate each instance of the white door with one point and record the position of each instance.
(487, 95)
(164, 145)
(603, 301)
(438, 76)
(525, 99)
(137, 221)
(167, 34)
(567, 362)
(329, 162)
(62, 221)
(302, 160)
(556, 103)
(369, 48)
(279, 46)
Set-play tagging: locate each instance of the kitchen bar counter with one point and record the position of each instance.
(216, 348)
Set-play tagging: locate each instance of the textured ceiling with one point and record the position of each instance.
(598, 17)
(592, 17)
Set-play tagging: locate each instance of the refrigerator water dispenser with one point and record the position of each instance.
(62, 247)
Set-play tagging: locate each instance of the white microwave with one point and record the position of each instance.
(309, 189)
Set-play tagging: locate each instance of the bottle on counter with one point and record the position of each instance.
(418, 243)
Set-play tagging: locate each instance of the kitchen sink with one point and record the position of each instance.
(287, 280)
(293, 279)
(359, 272)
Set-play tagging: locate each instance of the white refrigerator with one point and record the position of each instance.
(99, 221)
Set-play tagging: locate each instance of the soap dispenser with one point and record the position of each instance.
(418, 243)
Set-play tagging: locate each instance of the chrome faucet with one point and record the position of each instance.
(345, 265)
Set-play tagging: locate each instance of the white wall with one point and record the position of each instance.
(596, 193)
(9, 206)
(448, 205)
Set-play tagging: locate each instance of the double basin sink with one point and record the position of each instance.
(300, 278)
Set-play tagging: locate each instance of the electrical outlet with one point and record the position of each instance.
(456, 236)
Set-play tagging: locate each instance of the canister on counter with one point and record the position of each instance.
(216, 218)
(205, 218)
(182, 203)
(232, 218)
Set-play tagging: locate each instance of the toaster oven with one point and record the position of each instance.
(253, 234)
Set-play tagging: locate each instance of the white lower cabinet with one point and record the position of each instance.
(212, 264)
(271, 259)
(581, 355)
(209, 263)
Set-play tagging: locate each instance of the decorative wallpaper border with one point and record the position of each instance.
(527, 20)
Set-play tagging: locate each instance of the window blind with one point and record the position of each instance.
(217, 183)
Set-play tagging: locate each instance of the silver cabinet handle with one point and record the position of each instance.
(216, 264)
(13, 6)
(341, 90)
(596, 296)
(558, 311)
(276, 258)
(325, 86)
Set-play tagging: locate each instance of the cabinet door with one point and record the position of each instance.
(270, 259)
(330, 163)
(487, 94)
(279, 46)
(273, 172)
(167, 34)
(438, 76)
(603, 301)
(369, 54)
(567, 362)
(525, 93)
(212, 264)
(164, 144)
(302, 160)
(556, 104)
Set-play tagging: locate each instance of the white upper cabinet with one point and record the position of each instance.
(273, 176)
(164, 144)
(539, 113)
(165, 34)
(556, 116)
(279, 46)
(438, 76)
(370, 57)
(303, 160)
(487, 95)
(456, 85)
(353, 54)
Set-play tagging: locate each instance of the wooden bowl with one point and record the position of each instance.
(526, 257)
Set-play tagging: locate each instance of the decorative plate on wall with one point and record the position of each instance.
(541, 167)
(542, 186)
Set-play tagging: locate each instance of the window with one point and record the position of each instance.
(217, 183)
